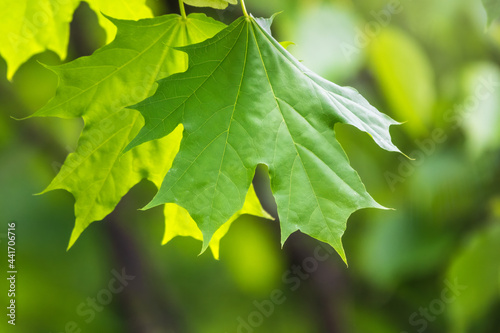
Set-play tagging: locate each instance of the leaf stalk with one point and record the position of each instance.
(182, 9)
(244, 8)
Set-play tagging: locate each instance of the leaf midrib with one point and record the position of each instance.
(230, 124)
(291, 137)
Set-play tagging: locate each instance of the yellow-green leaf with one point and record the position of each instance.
(29, 27)
(98, 88)
(217, 4)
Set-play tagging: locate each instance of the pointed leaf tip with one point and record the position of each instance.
(266, 23)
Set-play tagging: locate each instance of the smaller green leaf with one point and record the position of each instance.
(127, 10)
(31, 27)
(492, 9)
(217, 4)
(286, 44)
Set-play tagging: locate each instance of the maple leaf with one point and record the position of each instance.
(30, 27)
(246, 101)
(97, 88)
(218, 4)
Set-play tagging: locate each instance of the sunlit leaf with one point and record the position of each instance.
(29, 27)
(97, 88)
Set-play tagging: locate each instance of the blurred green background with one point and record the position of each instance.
(431, 265)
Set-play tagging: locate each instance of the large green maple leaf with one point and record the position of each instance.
(29, 27)
(97, 88)
(246, 101)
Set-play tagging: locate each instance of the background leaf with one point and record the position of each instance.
(492, 9)
(116, 75)
(30, 27)
(405, 77)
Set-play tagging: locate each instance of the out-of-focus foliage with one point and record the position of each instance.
(314, 27)
(492, 8)
(481, 126)
(178, 222)
(444, 229)
(477, 268)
